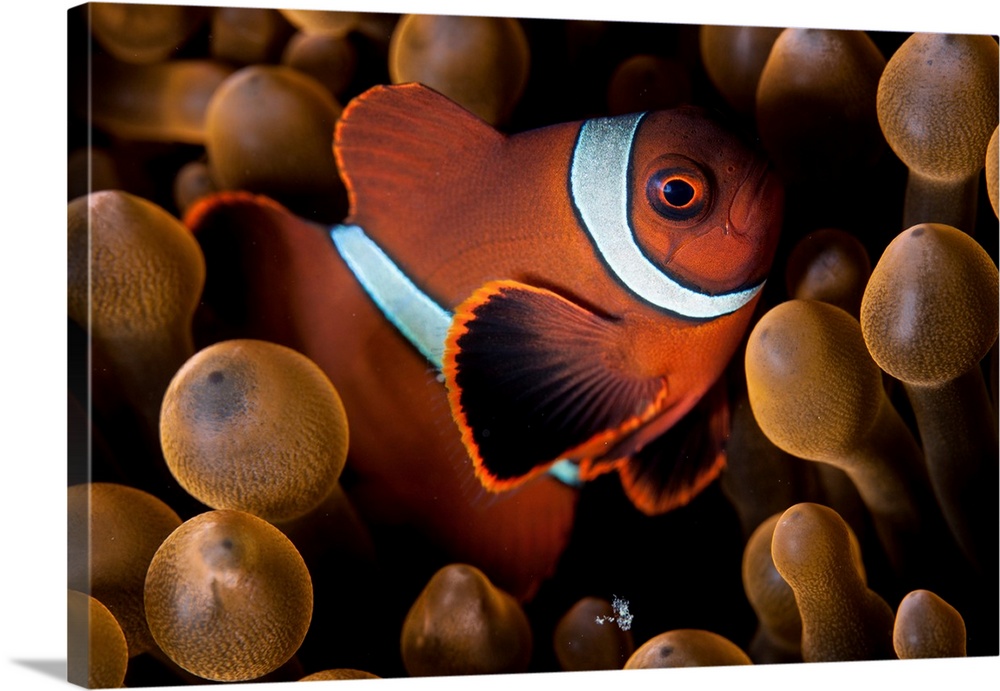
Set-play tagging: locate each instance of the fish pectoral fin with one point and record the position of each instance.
(675, 466)
(531, 379)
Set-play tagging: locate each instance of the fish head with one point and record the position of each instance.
(705, 205)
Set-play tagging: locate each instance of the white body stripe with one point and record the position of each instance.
(599, 181)
(423, 322)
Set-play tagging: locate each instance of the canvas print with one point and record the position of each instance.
(409, 345)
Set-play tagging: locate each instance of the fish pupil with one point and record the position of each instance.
(677, 192)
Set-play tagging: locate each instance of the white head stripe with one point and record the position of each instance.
(599, 181)
(421, 320)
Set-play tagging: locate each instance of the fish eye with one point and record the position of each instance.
(677, 194)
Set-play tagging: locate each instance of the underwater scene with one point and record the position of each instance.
(415, 345)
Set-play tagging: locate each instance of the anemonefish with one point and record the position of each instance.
(506, 316)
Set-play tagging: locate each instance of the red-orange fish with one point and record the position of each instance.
(530, 310)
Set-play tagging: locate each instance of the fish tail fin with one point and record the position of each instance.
(252, 245)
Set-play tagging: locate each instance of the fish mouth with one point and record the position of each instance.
(754, 218)
(736, 253)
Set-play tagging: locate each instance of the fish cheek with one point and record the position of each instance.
(722, 260)
(703, 255)
(670, 200)
(699, 250)
(660, 239)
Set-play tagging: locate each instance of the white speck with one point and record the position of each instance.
(622, 616)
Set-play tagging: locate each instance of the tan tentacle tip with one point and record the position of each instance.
(829, 265)
(927, 626)
(228, 597)
(462, 624)
(992, 167)
(331, 60)
(687, 648)
(269, 130)
(809, 539)
(734, 57)
(812, 386)
(160, 102)
(769, 595)
(816, 103)
(842, 619)
(254, 426)
(134, 269)
(929, 312)
(97, 654)
(793, 530)
(247, 35)
(192, 183)
(110, 549)
(937, 103)
(338, 675)
(141, 33)
(135, 276)
(481, 63)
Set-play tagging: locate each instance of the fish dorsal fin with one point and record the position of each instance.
(533, 377)
(394, 144)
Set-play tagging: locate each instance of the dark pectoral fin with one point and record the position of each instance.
(532, 377)
(670, 470)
